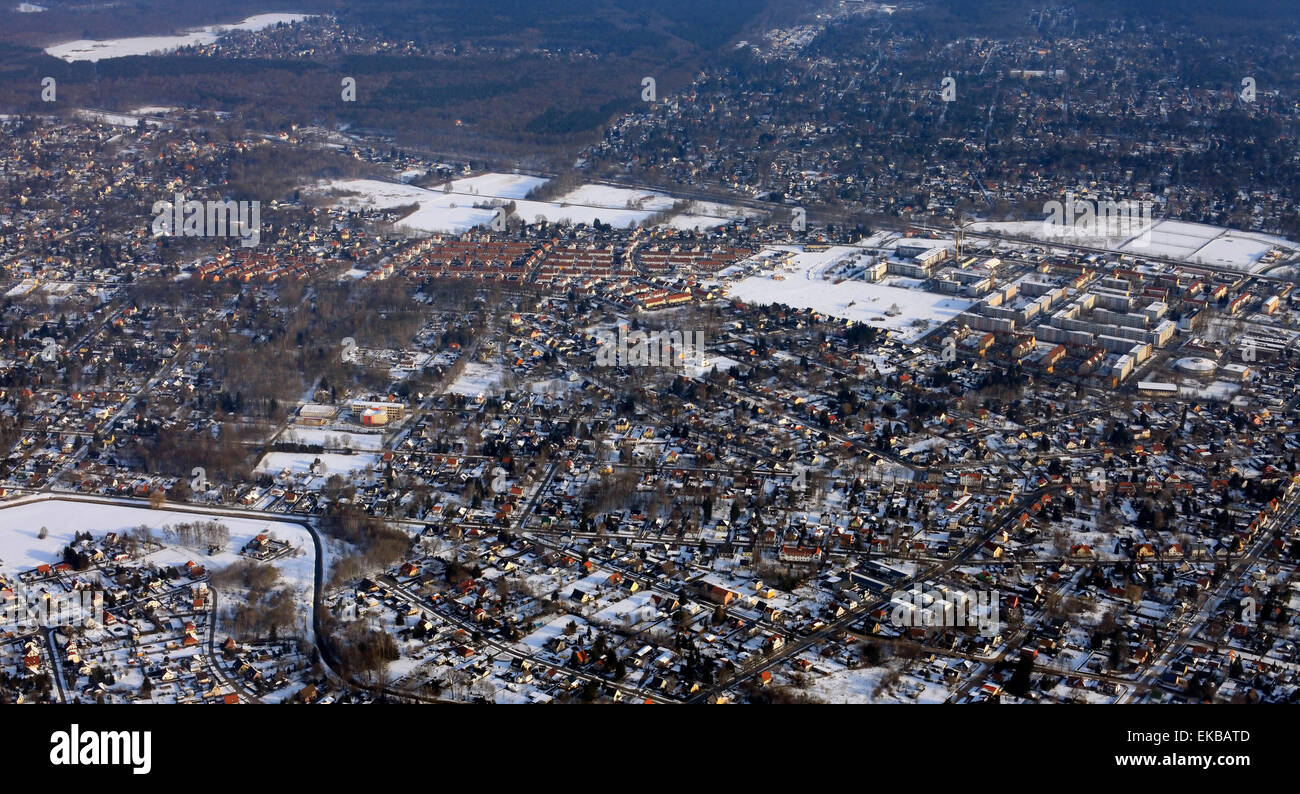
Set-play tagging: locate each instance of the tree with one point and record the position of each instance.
(1020, 679)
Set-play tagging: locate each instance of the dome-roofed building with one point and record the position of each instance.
(1196, 365)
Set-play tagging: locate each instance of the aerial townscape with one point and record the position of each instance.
(715, 352)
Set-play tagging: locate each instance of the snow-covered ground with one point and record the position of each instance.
(859, 686)
(1234, 249)
(452, 211)
(117, 119)
(721, 363)
(640, 603)
(153, 110)
(652, 200)
(297, 434)
(301, 462)
(476, 379)
(1218, 390)
(87, 50)
(22, 548)
(1195, 243)
(506, 186)
(799, 283)
(536, 641)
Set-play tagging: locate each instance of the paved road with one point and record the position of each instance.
(795, 647)
(1193, 620)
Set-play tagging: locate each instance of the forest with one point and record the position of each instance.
(499, 78)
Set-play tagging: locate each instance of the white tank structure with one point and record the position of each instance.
(1196, 365)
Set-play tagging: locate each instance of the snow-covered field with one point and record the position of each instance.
(506, 186)
(1038, 230)
(301, 462)
(21, 547)
(1195, 243)
(859, 686)
(320, 435)
(453, 212)
(87, 50)
(654, 201)
(117, 119)
(1233, 250)
(476, 379)
(640, 603)
(1218, 390)
(536, 641)
(800, 284)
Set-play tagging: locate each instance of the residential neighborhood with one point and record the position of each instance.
(799, 375)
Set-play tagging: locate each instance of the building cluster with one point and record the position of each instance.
(812, 116)
(1100, 448)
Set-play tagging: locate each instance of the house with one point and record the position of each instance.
(718, 595)
(800, 554)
